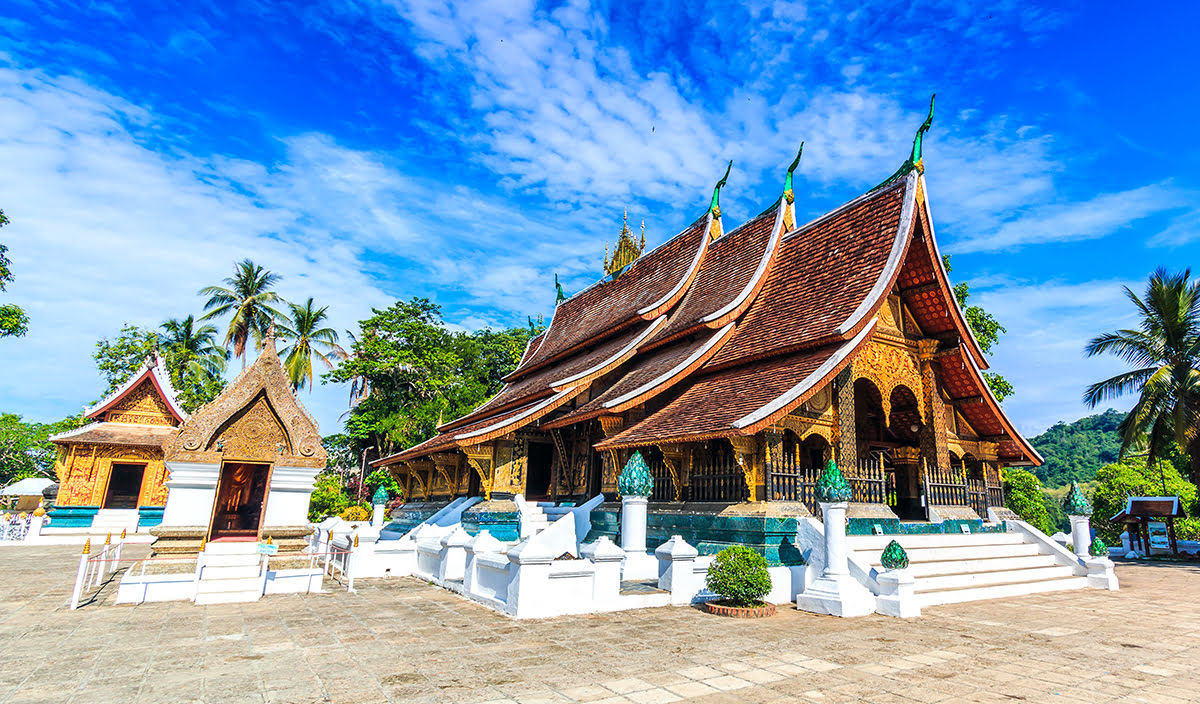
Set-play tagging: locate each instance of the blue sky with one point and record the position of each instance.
(370, 151)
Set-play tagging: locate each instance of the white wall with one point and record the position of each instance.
(288, 496)
(192, 491)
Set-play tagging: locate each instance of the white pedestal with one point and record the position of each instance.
(377, 515)
(835, 592)
(896, 595)
(1081, 535)
(1101, 574)
(638, 564)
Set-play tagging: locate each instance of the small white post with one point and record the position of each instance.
(1081, 535)
(606, 580)
(677, 569)
(836, 592)
(349, 573)
(80, 575)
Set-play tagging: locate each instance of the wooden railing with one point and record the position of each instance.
(789, 481)
(869, 482)
(664, 487)
(977, 493)
(945, 487)
(717, 479)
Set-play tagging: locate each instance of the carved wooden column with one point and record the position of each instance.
(934, 444)
(422, 472)
(612, 460)
(673, 458)
(480, 458)
(745, 451)
(845, 438)
(772, 454)
(447, 469)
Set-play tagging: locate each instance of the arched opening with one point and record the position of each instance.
(814, 451)
(972, 466)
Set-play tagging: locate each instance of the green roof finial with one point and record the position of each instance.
(1076, 503)
(832, 487)
(561, 296)
(787, 183)
(715, 206)
(635, 479)
(915, 159)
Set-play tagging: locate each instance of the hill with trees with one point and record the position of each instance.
(1075, 451)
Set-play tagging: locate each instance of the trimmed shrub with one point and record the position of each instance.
(740, 575)
(356, 513)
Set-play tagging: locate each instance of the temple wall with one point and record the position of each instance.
(83, 472)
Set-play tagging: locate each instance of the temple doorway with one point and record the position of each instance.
(537, 478)
(124, 486)
(241, 495)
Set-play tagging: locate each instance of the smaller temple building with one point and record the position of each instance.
(111, 474)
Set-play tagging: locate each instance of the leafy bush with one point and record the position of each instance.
(740, 575)
(356, 513)
(329, 498)
(1024, 497)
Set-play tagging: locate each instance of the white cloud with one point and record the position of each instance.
(1049, 323)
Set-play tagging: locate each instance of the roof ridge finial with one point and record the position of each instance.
(787, 182)
(626, 250)
(560, 297)
(715, 206)
(269, 337)
(915, 159)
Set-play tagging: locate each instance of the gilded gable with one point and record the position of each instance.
(255, 432)
(143, 405)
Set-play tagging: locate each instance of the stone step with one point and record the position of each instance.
(227, 597)
(239, 584)
(932, 540)
(978, 579)
(216, 572)
(222, 560)
(972, 552)
(244, 547)
(991, 564)
(999, 591)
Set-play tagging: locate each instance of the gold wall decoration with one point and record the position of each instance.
(673, 456)
(266, 379)
(745, 452)
(84, 472)
(254, 432)
(611, 425)
(480, 458)
(888, 367)
(141, 406)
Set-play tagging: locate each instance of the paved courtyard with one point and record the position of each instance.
(404, 641)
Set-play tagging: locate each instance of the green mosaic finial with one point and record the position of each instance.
(715, 206)
(561, 296)
(1098, 548)
(832, 487)
(894, 557)
(1076, 503)
(787, 182)
(635, 479)
(381, 497)
(918, 141)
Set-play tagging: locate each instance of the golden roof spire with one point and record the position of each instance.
(627, 249)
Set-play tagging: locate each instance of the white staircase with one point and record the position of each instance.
(114, 520)
(230, 572)
(533, 520)
(950, 568)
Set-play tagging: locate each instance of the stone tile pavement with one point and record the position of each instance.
(402, 640)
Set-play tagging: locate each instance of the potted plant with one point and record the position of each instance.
(740, 576)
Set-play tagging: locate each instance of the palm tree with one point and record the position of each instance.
(309, 339)
(248, 296)
(1165, 354)
(197, 345)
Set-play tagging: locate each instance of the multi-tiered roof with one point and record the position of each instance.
(721, 334)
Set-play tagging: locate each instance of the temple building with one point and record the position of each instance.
(111, 475)
(738, 360)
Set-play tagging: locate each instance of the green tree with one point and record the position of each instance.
(1023, 494)
(329, 497)
(118, 358)
(1133, 476)
(384, 478)
(417, 374)
(1074, 451)
(247, 297)
(13, 321)
(987, 331)
(194, 360)
(1165, 352)
(308, 340)
(25, 448)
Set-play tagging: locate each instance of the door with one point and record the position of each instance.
(124, 485)
(537, 477)
(241, 497)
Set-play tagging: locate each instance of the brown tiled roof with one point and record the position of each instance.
(597, 360)
(115, 434)
(666, 366)
(963, 380)
(729, 264)
(822, 273)
(446, 441)
(711, 405)
(611, 304)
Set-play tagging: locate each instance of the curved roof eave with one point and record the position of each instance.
(986, 391)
